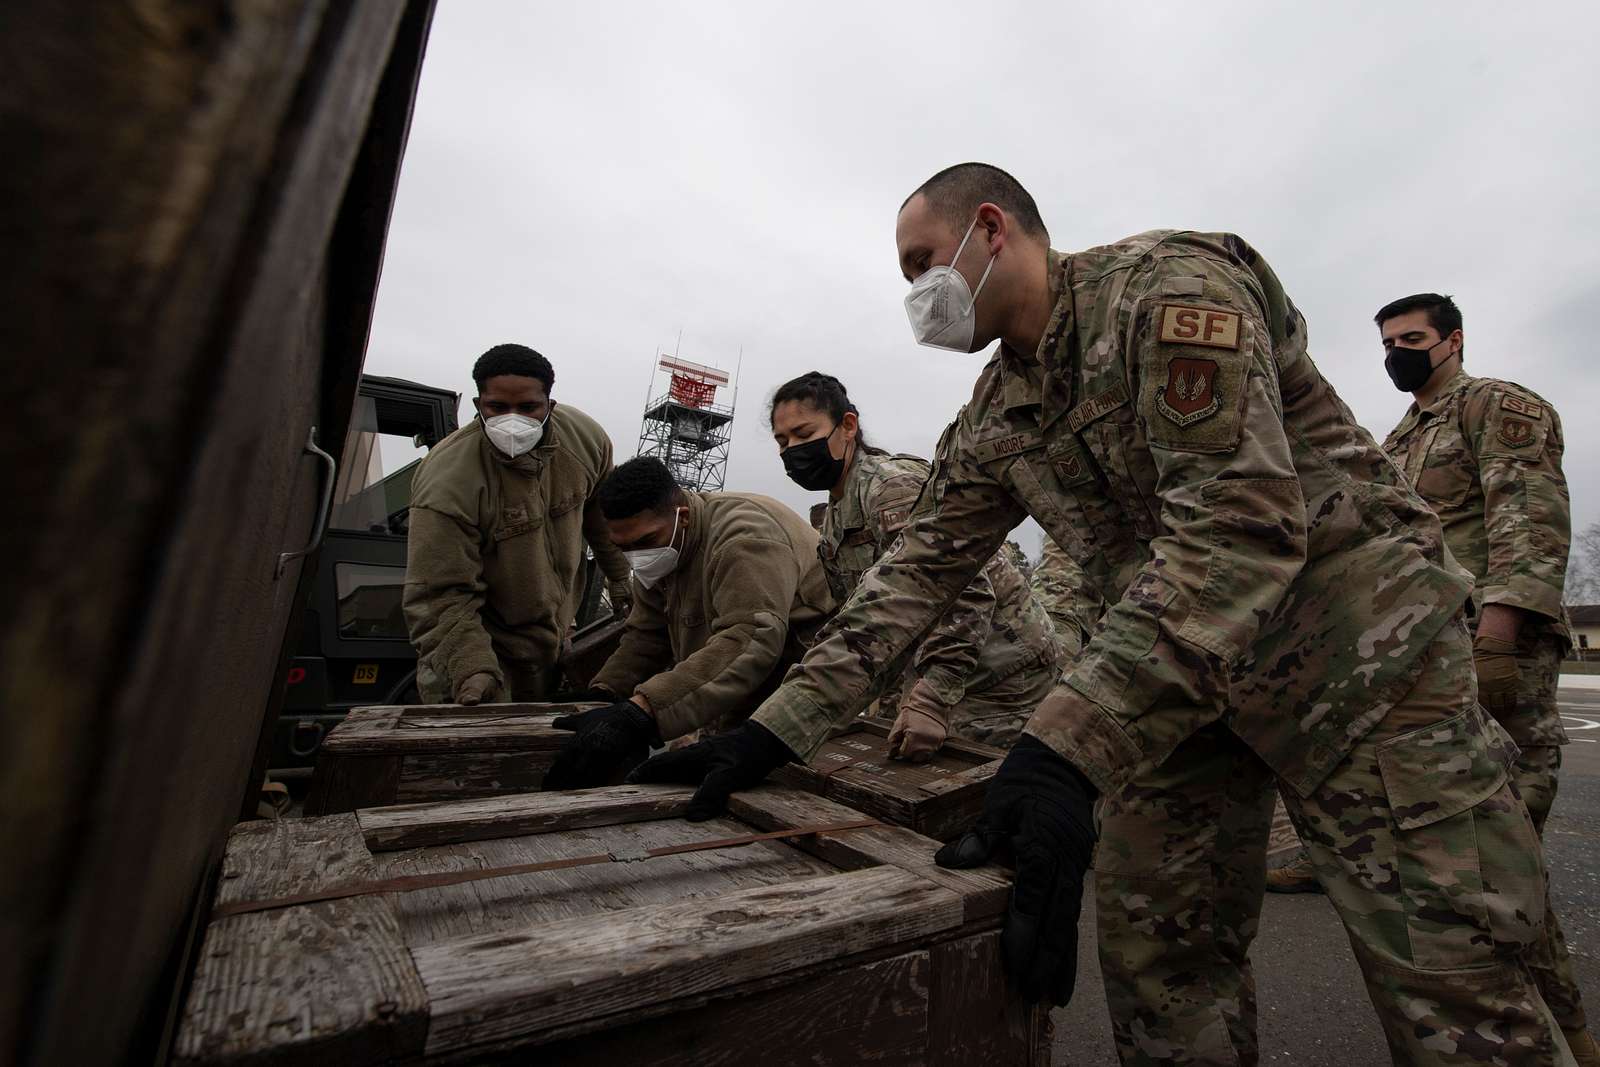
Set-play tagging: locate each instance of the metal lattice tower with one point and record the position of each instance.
(685, 427)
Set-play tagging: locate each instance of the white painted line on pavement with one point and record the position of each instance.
(1584, 724)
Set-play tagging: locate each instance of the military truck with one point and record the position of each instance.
(353, 648)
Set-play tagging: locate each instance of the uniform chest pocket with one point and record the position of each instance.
(515, 520)
(566, 502)
(1448, 469)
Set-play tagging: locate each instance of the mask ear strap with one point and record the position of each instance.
(963, 244)
(983, 279)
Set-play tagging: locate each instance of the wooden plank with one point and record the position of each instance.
(415, 825)
(985, 891)
(451, 728)
(873, 1013)
(348, 991)
(974, 1016)
(277, 857)
(332, 981)
(345, 783)
(938, 798)
(426, 777)
(600, 967)
(517, 901)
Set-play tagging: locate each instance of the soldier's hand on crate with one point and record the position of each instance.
(720, 765)
(1043, 808)
(606, 741)
(919, 729)
(478, 688)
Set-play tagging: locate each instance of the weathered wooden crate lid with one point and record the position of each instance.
(397, 730)
(936, 798)
(456, 971)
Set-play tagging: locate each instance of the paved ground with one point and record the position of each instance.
(1314, 1008)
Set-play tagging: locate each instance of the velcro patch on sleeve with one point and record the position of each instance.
(1522, 407)
(1191, 394)
(1182, 324)
(892, 519)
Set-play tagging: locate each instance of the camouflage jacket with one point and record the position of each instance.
(1060, 585)
(1486, 455)
(994, 628)
(494, 556)
(1262, 559)
(747, 598)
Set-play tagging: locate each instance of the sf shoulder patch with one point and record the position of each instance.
(1522, 407)
(1208, 327)
(1193, 367)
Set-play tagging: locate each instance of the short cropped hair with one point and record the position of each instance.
(642, 484)
(955, 193)
(1443, 315)
(513, 359)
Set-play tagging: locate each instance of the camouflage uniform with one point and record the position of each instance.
(1486, 455)
(1280, 606)
(494, 557)
(992, 657)
(1058, 583)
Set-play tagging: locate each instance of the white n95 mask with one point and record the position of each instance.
(513, 434)
(940, 305)
(650, 565)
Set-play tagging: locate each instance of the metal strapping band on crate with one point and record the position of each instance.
(407, 883)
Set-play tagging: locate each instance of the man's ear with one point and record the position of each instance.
(476, 406)
(994, 226)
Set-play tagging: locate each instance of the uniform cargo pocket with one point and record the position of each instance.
(1438, 771)
(1469, 865)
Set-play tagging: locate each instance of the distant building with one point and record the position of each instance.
(1585, 630)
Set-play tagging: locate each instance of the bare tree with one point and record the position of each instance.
(1583, 567)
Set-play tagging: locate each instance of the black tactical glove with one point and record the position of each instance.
(608, 741)
(1043, 807)
(719, 765)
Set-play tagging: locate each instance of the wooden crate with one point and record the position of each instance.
(939, 798)
(840, 946)
(401, 755)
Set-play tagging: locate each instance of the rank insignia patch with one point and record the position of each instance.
(1516, 432)
(1190, 393)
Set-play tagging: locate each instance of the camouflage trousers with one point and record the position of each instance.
(527, 682)
(997, 715)
(1427, 854)
(1536, 772)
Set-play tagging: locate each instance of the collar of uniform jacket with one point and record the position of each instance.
(694, 527)
(848, 512)
(1453, 391)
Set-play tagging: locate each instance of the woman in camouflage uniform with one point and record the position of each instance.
(981, 670)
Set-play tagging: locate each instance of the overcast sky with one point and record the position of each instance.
(592, 179)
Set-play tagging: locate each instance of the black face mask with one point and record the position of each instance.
(811, 465)
(1410, 368)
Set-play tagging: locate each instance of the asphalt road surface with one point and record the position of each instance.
(1313, 1007)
